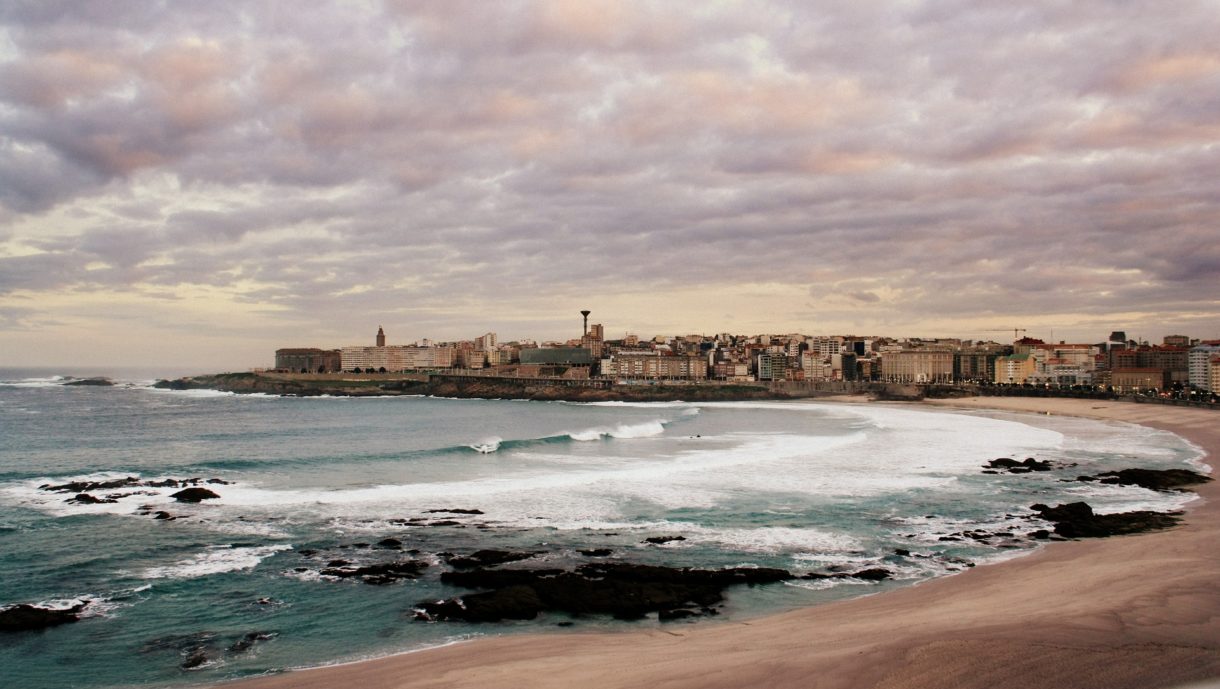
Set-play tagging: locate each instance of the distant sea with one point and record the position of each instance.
(805, 486)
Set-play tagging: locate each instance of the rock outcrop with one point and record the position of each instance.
(1077, 520)
(25, 617)
(625, 591)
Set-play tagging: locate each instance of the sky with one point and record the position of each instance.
(205, 182)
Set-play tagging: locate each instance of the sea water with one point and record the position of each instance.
(805, 486)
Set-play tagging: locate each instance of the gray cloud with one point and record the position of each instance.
(966, 158)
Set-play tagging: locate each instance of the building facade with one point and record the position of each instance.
(308, 360)
(917, 366)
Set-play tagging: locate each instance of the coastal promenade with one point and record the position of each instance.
(1125, 612)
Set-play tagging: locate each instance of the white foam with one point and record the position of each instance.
(768, 539)
(623, 431)
(200, 393)
(215, 560)
(487, 445)
(48, 382)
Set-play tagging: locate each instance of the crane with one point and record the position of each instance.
(1015, 331)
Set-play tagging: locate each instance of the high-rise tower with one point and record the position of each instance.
(380, 337)
(585, 331)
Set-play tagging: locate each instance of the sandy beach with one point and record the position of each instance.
(1132, 611)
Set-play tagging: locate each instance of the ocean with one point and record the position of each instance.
(810, 487)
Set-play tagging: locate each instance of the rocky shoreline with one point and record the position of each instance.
(472, 387)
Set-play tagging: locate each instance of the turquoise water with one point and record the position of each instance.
(807, 487)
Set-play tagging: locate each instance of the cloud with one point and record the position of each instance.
(918, 162)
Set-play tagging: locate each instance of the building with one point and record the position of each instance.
(917, 366)
(1014, 368)
(394, 358)
(1199, 364)
(556, 356)
(654, 366)
(1135, 379)
(1171, 359)
(308, 360)
(974, 365)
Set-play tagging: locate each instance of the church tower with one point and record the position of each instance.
(380, 337)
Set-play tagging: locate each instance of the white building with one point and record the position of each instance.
(1199, 363)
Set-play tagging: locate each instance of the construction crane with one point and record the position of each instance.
(1015, 331)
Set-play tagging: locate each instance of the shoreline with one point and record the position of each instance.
(1093, 613)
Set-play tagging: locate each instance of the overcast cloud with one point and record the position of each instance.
(208, 181)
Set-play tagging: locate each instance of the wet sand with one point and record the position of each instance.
(1132, 611)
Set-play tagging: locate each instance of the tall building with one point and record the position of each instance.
(380, 337)
(1199, 360)
(1014, 368)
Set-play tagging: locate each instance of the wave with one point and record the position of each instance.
(487, 445)
(43, 382)
(215, 560)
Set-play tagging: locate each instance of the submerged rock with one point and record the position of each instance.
(248, 640)
(87, 499)
(24, 617)
(383, 573)
(659, 540)
(487, 558)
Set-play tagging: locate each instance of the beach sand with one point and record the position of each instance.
(1132, 611)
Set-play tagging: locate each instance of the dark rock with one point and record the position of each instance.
(86, 499)
(338, 563)
(194, 660)
(625, 591)
(384, 573)
(1023, 467)
(1154, 479)
(194, 495)
(518, 602)
(676, 614)
(902, 552)
(389, 543)
(1077, 520)
(487, 558)
(24, 617)
(307, 552)
(445, 522)
(872, 574)
(247, 641)
(93, 382)
(658, 540)
(219, 482)
(453, 511)
(87, 486)
(161, 514)
(596, 552)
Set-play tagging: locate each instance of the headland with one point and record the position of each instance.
(1123, 612)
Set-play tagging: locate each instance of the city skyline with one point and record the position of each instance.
(202, 184)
